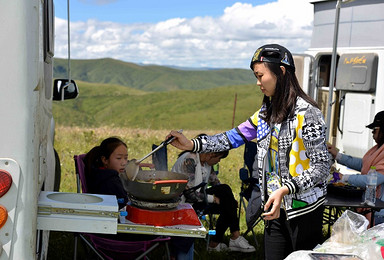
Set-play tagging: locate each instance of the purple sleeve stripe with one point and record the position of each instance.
(248, 130)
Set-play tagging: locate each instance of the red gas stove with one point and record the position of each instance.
(182, 214)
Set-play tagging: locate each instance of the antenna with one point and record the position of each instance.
(69, 44)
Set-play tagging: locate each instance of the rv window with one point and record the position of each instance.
(48, 44)
(325, 70)
(48, 31)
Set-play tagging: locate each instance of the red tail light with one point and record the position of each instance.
(5, 182)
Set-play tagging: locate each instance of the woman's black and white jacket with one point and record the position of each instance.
(303, 157)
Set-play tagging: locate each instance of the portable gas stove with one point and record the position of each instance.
(165, 213)
(155, 199)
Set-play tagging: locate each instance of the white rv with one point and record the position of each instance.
(28, 164)
(358, 92)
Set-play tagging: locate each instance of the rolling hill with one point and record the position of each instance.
(150, 77)
(121, 106)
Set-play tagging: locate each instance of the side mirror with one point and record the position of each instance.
(63, 89)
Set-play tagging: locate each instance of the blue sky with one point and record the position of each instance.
(198, 33)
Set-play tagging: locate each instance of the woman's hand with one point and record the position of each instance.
(274, 200)
(180, 141)
(332, 149)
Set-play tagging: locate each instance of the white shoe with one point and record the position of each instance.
(241, 244)
(219, 248)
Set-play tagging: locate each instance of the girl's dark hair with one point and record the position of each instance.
(222, 154)
(105, 149)
(282, 105)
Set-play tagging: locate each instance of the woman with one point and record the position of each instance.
(292, 158)
(218, 198)
(374, 157)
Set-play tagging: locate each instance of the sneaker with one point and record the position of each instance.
(241, 244)
(219, 248)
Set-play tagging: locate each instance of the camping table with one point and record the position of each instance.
(183, 220)
(336, 204)
(179, 230)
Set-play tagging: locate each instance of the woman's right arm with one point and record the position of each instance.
(349, 161)
(227, 140)
(360, 180)
(233, 138)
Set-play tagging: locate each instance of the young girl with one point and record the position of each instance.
(292, 160)
(103, 164)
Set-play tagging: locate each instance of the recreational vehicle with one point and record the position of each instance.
(28, 162)
(354, 36)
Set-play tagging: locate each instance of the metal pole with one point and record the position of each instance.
(333, 68)
(234, 111)
(69, 45)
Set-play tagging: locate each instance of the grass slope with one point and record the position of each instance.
(149, 77)
(119, 106)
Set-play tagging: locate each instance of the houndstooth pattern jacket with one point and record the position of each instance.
(304, 161)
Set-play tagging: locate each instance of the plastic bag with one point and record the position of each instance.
(350, 236)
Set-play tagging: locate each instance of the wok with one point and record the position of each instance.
(155, 185)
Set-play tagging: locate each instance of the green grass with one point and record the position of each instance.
(76, 140)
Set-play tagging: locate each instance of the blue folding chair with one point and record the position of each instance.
(250, 190)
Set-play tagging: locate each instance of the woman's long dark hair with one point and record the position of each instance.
(105, 149)
(282, 105)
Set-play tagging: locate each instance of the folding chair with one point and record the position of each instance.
(249, 190)
(160, 158)
(206, 215)
(106, 248)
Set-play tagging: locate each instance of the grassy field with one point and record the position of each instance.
(70, 141)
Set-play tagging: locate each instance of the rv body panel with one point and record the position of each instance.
(360, 24)
(358, 92)
(25, 110)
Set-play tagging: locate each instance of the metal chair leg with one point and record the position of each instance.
(75, 248)
(91, 247)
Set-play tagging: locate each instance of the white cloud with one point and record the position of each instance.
(227, 41)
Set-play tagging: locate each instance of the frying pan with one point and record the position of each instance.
(132, 167)
(155, 185)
